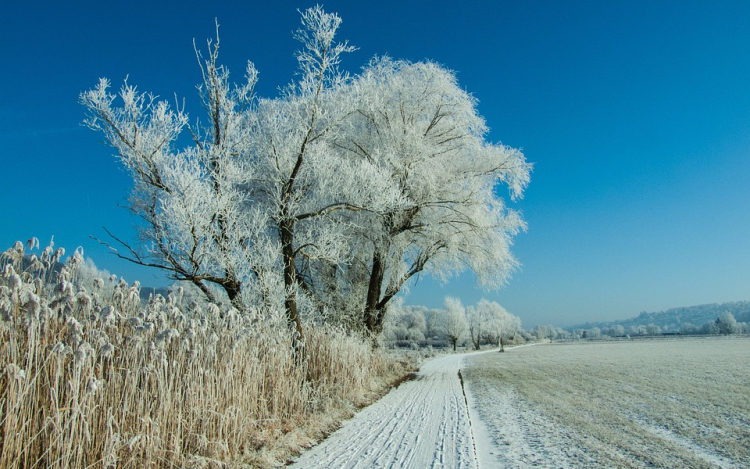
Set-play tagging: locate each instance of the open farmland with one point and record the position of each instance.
(650, 403)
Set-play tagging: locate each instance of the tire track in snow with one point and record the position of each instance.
(424, 423)
(523, 437)
(707, 455)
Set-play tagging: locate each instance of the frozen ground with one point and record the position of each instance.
(676, 403)
(667, 403)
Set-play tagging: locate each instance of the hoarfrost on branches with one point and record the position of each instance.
(454, 323)
(326, 200)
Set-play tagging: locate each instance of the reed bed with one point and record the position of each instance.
(95, 378)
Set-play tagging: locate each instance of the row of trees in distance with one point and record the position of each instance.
(487, 323)
(724, 324)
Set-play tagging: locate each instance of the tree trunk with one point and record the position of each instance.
(373, 317)
(234, 292)
(475, 338)
(290, 285)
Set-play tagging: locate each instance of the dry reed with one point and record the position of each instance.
(94, 382)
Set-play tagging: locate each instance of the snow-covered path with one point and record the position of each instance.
(424, 423)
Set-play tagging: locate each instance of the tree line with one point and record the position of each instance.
(486, 323)
(715, 318)
(724, 324)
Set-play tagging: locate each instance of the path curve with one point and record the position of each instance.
(424, 423)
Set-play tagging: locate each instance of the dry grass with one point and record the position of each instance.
(98, 383)
(667, 403)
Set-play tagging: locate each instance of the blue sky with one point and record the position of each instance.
(635, 114)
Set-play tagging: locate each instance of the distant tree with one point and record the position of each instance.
(405, 323)
(432, 323)
(90, 278)
(726, 324)
(710, 328)
(687, 328)
(476, 326)
(454, 323)
(593, 333)
(490, 322)
(414, 321)
(545, 331)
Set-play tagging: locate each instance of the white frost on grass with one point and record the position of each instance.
(710, 457)
(510, 434)
(518, 436)
(636, 404)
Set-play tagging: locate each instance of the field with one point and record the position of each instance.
(630, 404)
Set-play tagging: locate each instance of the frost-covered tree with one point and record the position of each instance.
(454, 324)
(688, 328)
(491, 323)
(545, 331)
(406, 323)
(500, 324)
(417, 126)
(727, 324)
(709, 328)
(476, 326)
(432, 323)
(194, 223)
(297, 178)
(235, 208)
(562, 334)
(328, 198)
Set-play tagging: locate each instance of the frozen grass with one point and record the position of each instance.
(98, 381)
(666, 403)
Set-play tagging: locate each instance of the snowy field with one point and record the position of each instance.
(629, 404)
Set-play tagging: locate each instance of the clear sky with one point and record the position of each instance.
(636, 115)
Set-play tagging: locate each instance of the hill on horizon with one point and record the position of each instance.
(672, 319)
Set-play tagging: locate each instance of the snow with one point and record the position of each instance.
(424, 423)
(517, 436)
(706, 455)
(668, 403)
(428, 422)
(639, 404)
